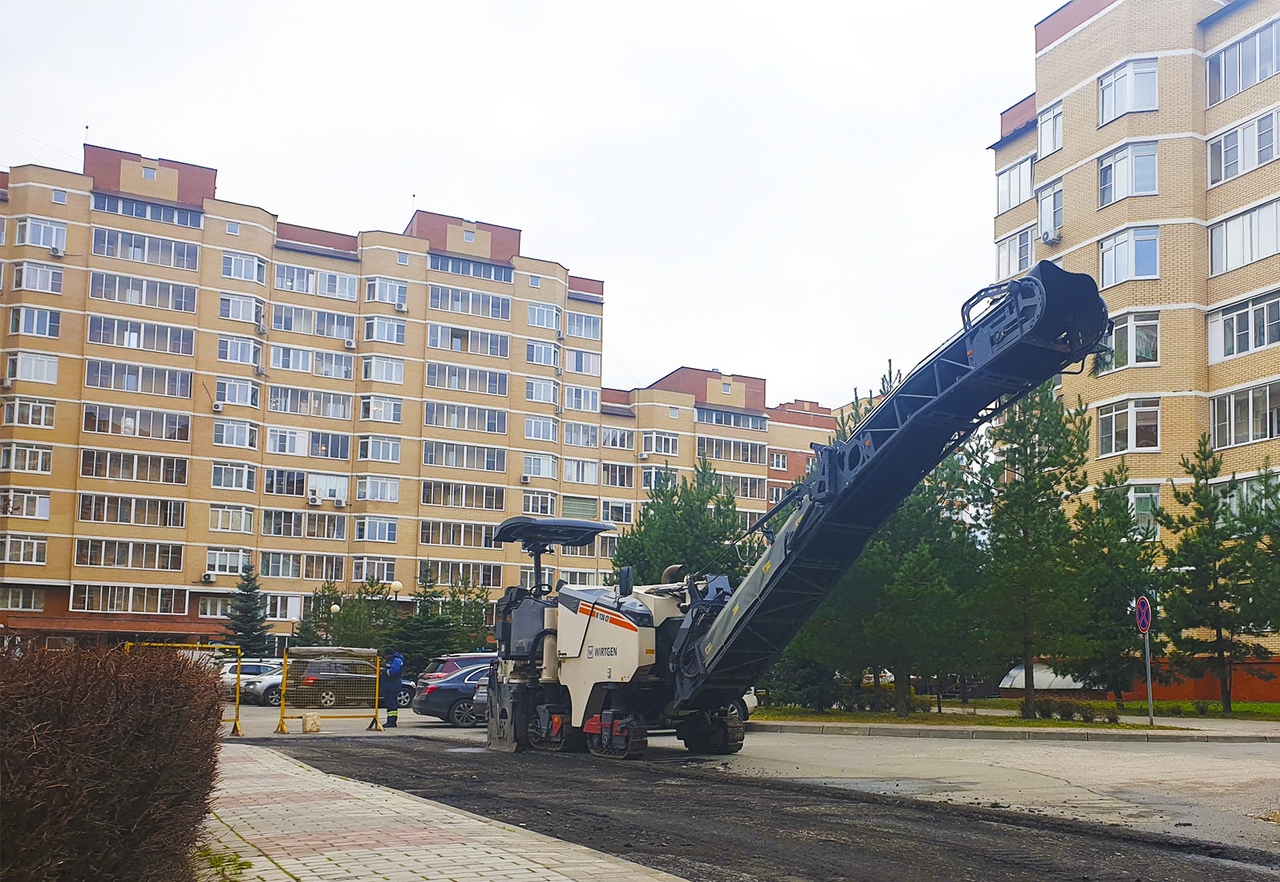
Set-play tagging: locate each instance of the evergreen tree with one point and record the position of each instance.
(1041, 449)
(366, 617)
(316, 626)
(1212, 613)
(1113, 560)
(691, 523)
(1256, 523)
(247, 621)
(464, 607)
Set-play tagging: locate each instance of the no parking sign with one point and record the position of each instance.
(1142, 612)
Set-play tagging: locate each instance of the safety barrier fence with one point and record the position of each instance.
(324, 680)
(214, 655)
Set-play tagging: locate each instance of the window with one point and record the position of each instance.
(467, 340)
(1128, 88)
(1246, 415)
(539, 428)
(239, 350)
(104, 508)
(31, 412)
(663, 443)
(240, 308)
(121, 598)
(1051, 207)
(543, 316)
(384, 330)
(540, 390)
(338, 286)
(673, 413)
(148, 174)
(730, 418)
(26, 550)
(1241, 240)
(233, 228)
(1130, 171)
(233, 390)
(35, 321)
(137, 378)
(539, 502)
(380, 290)
(581, 435)
(293, 318)
(776, 493)
(378, 489)
(321, 525)
(289, 442)
(380, 408)
(165, 214)
(227, 561)
(33, 366)
(778, 461)
(464, 456)
(452, 376)
(1244, 327)
(235, 433)
(454, 572)
(382, 369)
(144, 336)
(21, 598)
(581, 471)
(474, 268)
(402, 258)
(248, 267)
(467, 302)
(19, 503)
(540, 465)
(585, 326)
(285, 358)
(120, 420)
(284, 482)
(17, 456)
(659, 476)
(616, 512)
(1013, 255)
(1013, 185)
(1242, 64)
(454, 494)
(141, 292)
(330, 445)
(146, 249)
(542, 353)
(726, 388)
(234, 476)
(295, 278)
(59, 197)
(743, 487)
(42, 233)
(381, 569)
(131, 556)
(371, 529)
(1242, 149)
(30, 276)
(580, 398)
(614, 475)
(468, 235)
(459, 535)
(577, 361)
(230, 518)
(214, 607)
(1133, 254)
(1129, 425)
(535, 281)
(326, 567)
(335, 325)
(465, 416)
(379, 448)
(617, 439)
(1136, 340)
(334, 365)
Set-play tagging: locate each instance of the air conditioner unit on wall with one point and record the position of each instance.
(339, 503)
(524, 479)
(262, 328)
(1051, 237)
(217, 407)
(402, 307)
(644, 456)
(349, 344)
(208, 577)
(55, 251)
(313, 499)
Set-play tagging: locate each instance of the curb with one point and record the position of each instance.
(984, 733)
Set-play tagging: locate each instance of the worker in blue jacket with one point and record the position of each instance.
(392, 665)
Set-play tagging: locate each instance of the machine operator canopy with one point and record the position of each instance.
(538, 535)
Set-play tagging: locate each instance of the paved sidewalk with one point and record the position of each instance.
(292, 822)
(1188, 729)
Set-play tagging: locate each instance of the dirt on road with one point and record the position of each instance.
(680, 814)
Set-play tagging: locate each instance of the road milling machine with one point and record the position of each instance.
(596, 668)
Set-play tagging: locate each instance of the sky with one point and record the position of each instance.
(797, 191)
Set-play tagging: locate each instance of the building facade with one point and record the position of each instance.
(191, 384)
(1146, 158)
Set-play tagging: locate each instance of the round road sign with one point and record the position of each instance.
(1142, 611)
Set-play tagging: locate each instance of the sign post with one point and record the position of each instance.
(1142, 612)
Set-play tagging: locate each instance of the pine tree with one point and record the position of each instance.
(247, 621)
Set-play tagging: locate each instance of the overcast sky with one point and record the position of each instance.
(795, 191)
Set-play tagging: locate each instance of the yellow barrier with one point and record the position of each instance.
(212, 654)
(329, 677)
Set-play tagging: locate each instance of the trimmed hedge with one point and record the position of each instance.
(107, 763)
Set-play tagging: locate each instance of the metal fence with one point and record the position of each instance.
(332, 682)
(216, 656)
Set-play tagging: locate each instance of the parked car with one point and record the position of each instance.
(481, 698)
(452, 697)
(444, 665)
(249, 668)
(746, 705)
(323, 682)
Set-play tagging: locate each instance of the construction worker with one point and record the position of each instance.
(392, 665)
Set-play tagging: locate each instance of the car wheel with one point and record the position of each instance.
(271, 698)
(738, 710)
(328, 698)
(404, 698)
(463, 715)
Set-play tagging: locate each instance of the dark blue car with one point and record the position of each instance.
(450, 698)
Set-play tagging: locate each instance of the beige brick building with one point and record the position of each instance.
(1146, 158)
(190, 384)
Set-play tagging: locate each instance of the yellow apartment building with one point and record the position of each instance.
(1146, 158)
(191, 384)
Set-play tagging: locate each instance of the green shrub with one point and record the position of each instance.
(1046, 708)
(1066, 709)
(1112, 715)
(1175, 710)
(108, 762)
(1202, 708)
(1087, 712)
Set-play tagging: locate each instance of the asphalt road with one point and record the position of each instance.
(693, 818)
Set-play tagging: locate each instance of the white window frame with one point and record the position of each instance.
(1126, 89)
(1049, 130)
(1118, 256)
(1120, 420)
(1124, 341)
(1121, 173)
(1010, 259)
(1014, 184)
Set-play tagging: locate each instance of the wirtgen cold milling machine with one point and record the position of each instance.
(596, 668)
